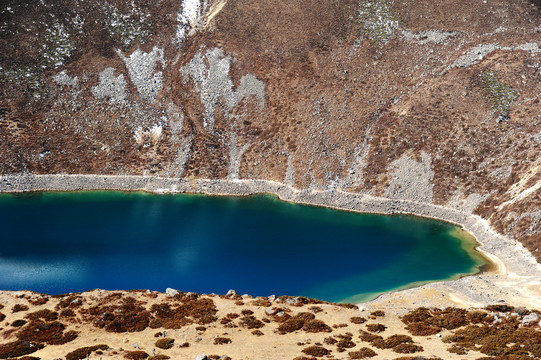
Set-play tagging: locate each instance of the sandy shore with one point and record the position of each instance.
(515, 279)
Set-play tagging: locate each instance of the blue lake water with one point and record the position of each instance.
(68, 242)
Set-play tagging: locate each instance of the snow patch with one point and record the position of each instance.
(188, 18)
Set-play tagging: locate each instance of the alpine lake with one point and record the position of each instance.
(54, 242)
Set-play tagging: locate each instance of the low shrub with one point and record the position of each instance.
(457, 350)
(376, 328)
(18, 323)
(330, 340)
(19, 307)
(19, 348)
(316, 326)
(221, 341)
(315, 350)
(40, 300)
(349, 306)
(396, 339)
(392, 341)
(224, 321)
(44, 314)
(200, 311)
(84, 352)
(257, 333)
(422, 358)
(424, 322)
(407, 348)
(67, 313)
(51, 333)
(72, 302)
(357, 320)
(250, 322)
(2, 317)
(378, 313)
(159, 357)
(290, 325)
(165, 343)
(305, 316)
(478, 317)
(421, 314)
(126, 317)
(450, 318)
(368, 337)
(345, 343)
(135, 355)
(362, 353)
(422, 329)
(261, 302)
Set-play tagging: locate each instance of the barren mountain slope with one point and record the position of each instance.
(433, 101)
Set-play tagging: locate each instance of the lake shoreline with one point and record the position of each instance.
(513, 280)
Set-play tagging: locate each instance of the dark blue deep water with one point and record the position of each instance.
(68, 242)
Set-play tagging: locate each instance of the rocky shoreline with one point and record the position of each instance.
(514, 280)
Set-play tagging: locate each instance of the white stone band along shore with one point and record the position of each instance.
(515, 280)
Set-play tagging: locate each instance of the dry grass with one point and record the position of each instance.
(84, 352)
(315, 350)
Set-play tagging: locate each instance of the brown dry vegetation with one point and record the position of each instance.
(84, 352)
(498, 331)
(315, 351)
(18, 348)
(424, 322)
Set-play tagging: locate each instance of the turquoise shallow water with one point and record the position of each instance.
(68, 242)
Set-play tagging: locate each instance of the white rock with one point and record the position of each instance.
(532, 317)
(171, 292)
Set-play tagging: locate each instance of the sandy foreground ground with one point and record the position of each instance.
(236, 327)
(515, 280)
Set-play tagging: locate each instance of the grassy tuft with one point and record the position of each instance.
(499, 94)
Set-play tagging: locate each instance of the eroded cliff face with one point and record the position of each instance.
(434, 101)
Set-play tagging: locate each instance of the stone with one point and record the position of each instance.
(171, 292)
(270, 311)
(201, 357)
(292, 301)
(530, 318)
